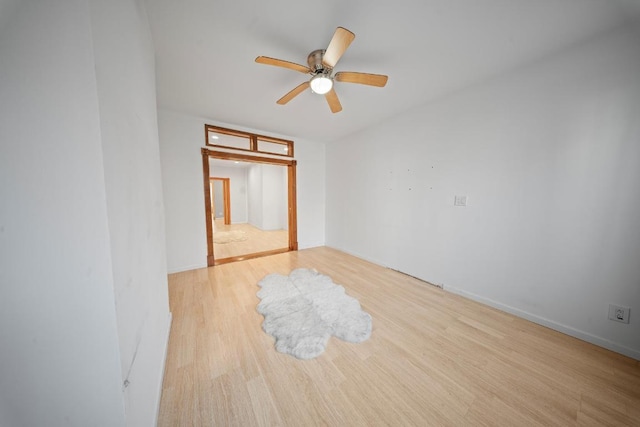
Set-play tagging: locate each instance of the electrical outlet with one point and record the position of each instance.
(619, 313)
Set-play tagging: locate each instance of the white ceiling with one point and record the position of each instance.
(205, 52)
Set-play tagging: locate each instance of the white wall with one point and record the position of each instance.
(181, 137)
(125, 72)
(83, 303)
(275, 201)
(218, 199)
(59, 350)
(549, 157)
(237, 190)
(268, 197)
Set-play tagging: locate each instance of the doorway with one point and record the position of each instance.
(275, 198)
(220, 199)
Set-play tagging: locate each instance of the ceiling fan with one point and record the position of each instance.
(321, 63)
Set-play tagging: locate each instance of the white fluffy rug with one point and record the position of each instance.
(229, 236)
(302, 310)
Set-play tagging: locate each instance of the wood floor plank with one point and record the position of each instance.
(434, 358)
(250, 239)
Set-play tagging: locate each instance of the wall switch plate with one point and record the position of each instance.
(619, 313)
(460, 201)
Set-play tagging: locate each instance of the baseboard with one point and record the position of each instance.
(186, 268)
(357, 255)
(164, 363)
(576, 333)
(309, 245)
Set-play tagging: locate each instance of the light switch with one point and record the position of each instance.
(460, 201)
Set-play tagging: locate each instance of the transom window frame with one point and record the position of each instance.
(253, 138)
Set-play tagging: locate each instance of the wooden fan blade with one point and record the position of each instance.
(334, 102)
(293, 93)
(378, 80)
(284, 64)
(341, 40)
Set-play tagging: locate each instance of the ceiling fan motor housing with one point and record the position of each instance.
(315, 62)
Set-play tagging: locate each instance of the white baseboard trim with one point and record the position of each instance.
(309, 245)
(584, 336)
(186, 268)
(164, 363)
(357, 255)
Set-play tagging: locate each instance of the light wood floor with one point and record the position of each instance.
(257, 240)
(434, 358)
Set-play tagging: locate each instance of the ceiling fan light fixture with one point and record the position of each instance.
(321, 84)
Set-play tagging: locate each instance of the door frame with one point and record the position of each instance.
(291, 201)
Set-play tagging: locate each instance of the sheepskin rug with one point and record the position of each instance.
(302, 310)
(222, 237)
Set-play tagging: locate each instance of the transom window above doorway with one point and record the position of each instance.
(247, 141)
